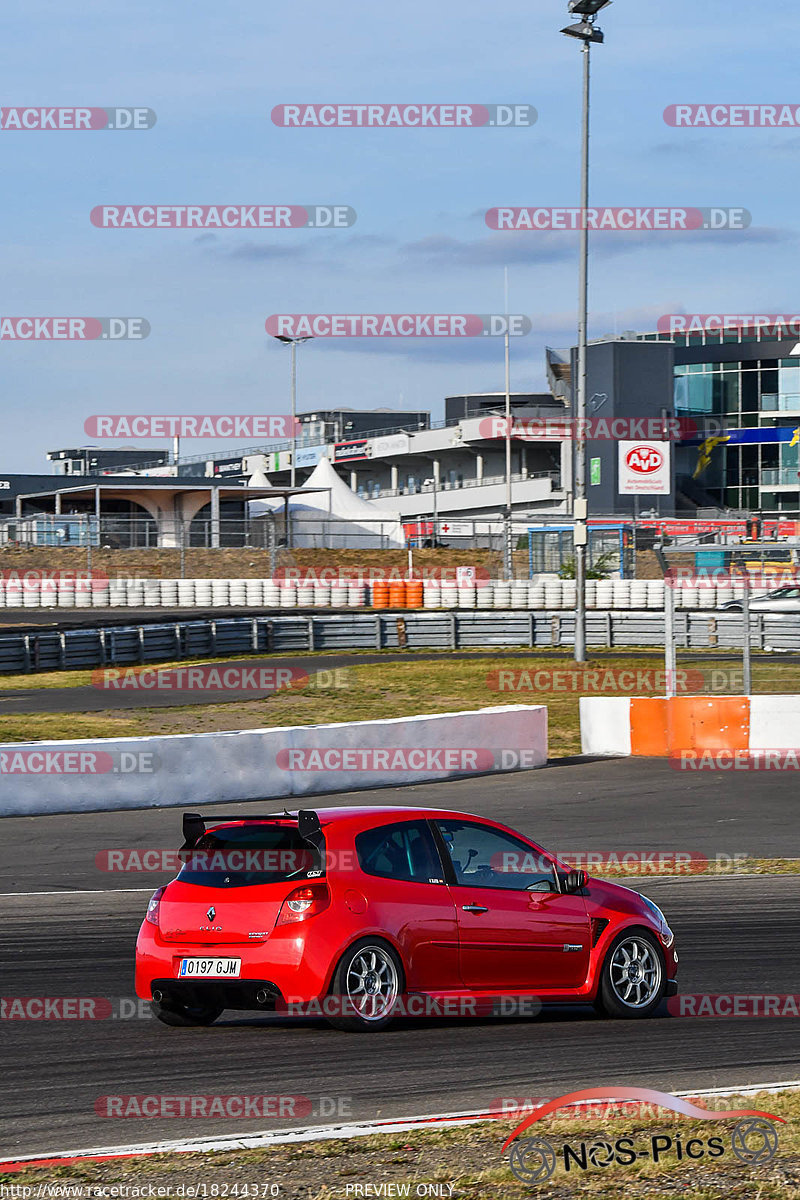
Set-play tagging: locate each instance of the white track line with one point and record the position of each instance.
(84, 892)
(255, 1141)
(703, 878)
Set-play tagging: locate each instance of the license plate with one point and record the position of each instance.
(209, 968)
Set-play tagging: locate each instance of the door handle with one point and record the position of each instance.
(474, 908)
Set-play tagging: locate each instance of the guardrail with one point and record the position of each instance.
(121, 645)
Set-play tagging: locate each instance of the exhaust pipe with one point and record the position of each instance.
(158, 995)
(262, 996)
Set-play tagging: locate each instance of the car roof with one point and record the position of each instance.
(366, 815)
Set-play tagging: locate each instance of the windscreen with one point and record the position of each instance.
(248, 855)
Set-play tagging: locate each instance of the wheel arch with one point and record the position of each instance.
(606, 941)
(361, 936)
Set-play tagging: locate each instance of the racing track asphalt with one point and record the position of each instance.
(735, 934)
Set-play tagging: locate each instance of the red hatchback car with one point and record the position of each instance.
(364, 914)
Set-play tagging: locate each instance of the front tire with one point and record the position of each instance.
(633, 976)
(367, 984)
(184, 1015)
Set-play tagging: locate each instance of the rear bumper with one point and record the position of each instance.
(288, 965)
(672, 987)
(259, 995)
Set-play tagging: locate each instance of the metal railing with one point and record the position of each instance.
(304, 443)
(84, 531)
(277, 447)
(128, 644)
(447, 486)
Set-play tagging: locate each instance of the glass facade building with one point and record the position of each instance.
(750, 384)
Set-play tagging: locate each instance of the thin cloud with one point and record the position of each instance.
(532, 247)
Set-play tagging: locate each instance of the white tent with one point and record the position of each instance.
(259, 479)
(335, 518)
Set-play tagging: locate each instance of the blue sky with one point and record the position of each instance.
(213, 74)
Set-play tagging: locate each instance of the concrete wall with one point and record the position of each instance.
(605, 725)
(215, 768)
(774, 722)
(655, 726)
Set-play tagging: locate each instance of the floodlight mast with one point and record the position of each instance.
(294, 342)
(586, 32)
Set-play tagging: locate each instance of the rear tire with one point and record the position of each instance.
(367, 983)
(184, 1015)
(633, 976)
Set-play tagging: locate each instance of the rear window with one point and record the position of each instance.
(243, 855)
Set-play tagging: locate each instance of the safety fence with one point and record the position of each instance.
(53, 650)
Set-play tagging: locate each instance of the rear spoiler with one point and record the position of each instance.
(308, 824)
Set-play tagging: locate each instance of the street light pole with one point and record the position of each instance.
(294, 342)
(508, 557)
(580, 501)
(587, 32)
(293, 474)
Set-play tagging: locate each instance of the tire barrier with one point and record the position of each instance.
(543, 593)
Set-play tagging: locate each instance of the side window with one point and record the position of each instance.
(485, 857)
(405, 850)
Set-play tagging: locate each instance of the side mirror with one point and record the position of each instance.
(574, 881)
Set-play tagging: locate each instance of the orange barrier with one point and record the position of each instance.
(397, 594)
(414, 593)
(662, 727)
(380, 595)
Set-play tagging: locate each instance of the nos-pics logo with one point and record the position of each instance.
(754, 1139)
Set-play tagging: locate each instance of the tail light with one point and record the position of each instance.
(304, 902)
(152, 909)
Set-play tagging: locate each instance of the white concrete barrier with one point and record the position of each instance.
(775, 722)
(605, 725)
(188, 770)
(653, 726)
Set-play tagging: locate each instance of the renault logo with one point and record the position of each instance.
(212, 912)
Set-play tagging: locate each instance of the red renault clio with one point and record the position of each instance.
(358, 913)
